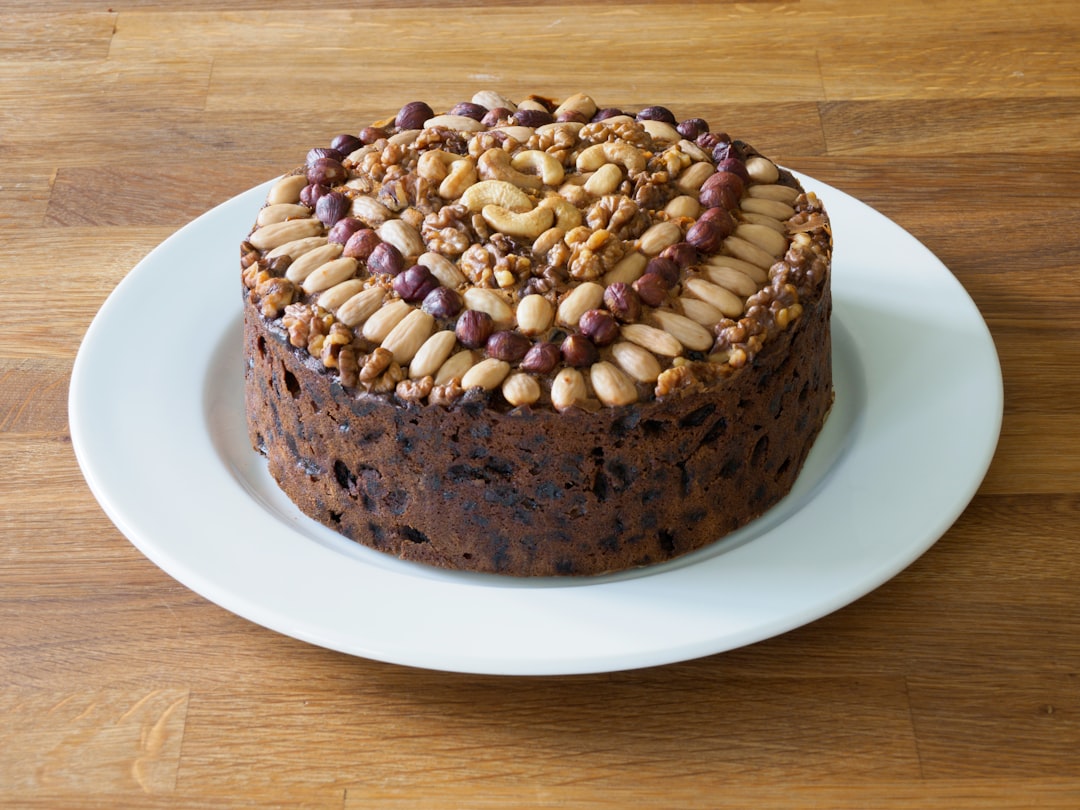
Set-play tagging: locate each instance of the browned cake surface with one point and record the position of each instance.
(597, 348)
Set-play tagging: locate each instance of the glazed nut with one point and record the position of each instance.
(507, 345)
(434, 164)
(749, 252)
(762, 170)
(661, 131)
(361, 244)
(487, 374)
(385, 259)
(766, 191)
(442, 302)
(403, 236)
(491, 100)
(414, 283)
(432, 354)
(567, 215)
(520, 389)
(707, 235)
(654, 340)
(340, 293)
(460, 123)
(286, 190)
(406, 338)
(542, 358)
(758, 274)
(370, 211)
(473, 328)
(492, 303)
(626, 155)
(659, 236)
(599, 326)
(496, 192)
(604, 180)
(297, 248)
(636, 361)
(651, 289)
(383, 320)
(578, 351)
(361, 306)
(413, 115)
(306, 264)
(694, 176)
(687, 331)
(723, 299)
(612, 385)
(585, 296)
(278, 233)
(623, 302)
(526, 225)
(442, 268)
(731, 279)
(764, 237)
(568, 389)
(455, 367)
(495, 164)
(578, 103)
(684, 205)
(548, 239)
(771, 208)
(461, 176)
(628, 269)
(534, 314)
(280, 212)
(697, 310)
(534, 161)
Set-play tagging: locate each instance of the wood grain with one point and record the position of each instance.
(955, 684)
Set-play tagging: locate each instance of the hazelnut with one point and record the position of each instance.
(469, 110)
(734, 165)
(344, 229)
(332, 207)
(442, 302)
(692, 128)
(578, 351)
(361, 244)
(599, 326)
(413, 115)
(320, 152)
(473, 328)
(496, 116)
(682, 253)
(667, 269)
(542, 358)
(386, 259)
(508, 346)
(310, 194)
(368, 135)
(607, 112)
(706, 234)
(326, 172)
(657, 113)
(415, 283)
(346, 144)
(532, 118)
(622, 302)
(651, 289)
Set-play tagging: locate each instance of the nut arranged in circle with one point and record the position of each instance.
(544, 254)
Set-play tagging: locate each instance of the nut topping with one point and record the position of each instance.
(541, 254)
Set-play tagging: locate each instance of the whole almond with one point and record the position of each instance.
(306, 264)
(492, 303)
(534, 314)
(764, 237)
(432, 354)
(327, 275)
(749, 252)
(278, 233)
(297, 248)
(655, 340)
(378, 326)
(287, 189)
(405, 339)
(521, 389)
(639, 363)
(658, 237)
(361, 306)
(585, 296)
(455, 367)
(568, 389)
(730, 278)
(486, 374)
(688, 332)
(612, 386)
(720, 297)
(340, 293)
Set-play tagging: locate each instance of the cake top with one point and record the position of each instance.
(534, 254)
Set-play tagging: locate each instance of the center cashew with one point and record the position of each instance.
(527, 225)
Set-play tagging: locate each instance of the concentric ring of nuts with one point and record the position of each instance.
(559, 255)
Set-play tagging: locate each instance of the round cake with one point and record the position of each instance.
(537, 338)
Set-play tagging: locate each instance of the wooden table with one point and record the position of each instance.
(956, 684)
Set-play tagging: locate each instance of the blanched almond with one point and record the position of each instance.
(772, 208)
(688, 332)
(455, 367)
(628, 269)
(730, 278)
(287, 189)
(585, 296)
(765, 238)
(361, 306)
(340, 293)
(639, 363)
(486, 374)
(378, 326)
(702, 312)
(568, 389)
(305, 265)
(521, 389)
(492, 303)
(749, 252)
(405, 339)
(785, 194)
(278, 233)
(612, 385)
(655, 340)
(723, 299)
(297, 248)
(432, 354)
(534, 314)
(327, 275)
(280, 212)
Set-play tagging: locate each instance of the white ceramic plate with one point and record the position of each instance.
(157, 421)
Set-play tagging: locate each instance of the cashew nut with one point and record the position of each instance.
(454, 173)
(494, 164)
(567, 215)
(527, 225)
(496, 192)
(595, 156)
(547, 167)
